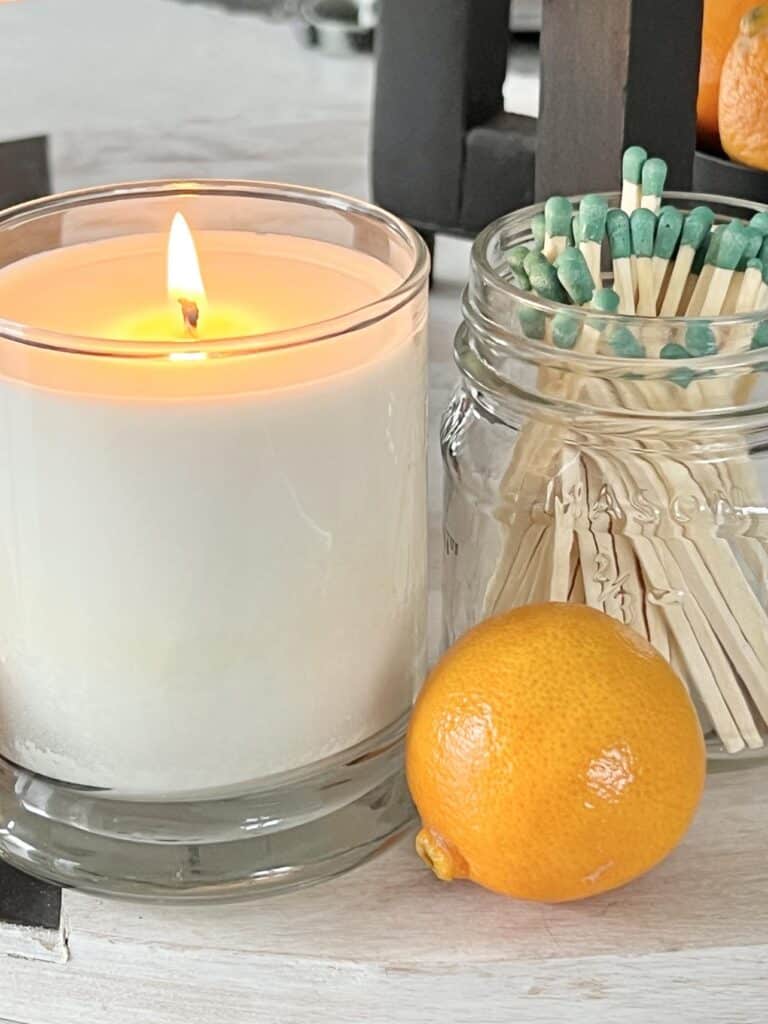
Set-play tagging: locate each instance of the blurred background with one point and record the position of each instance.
(165, 88)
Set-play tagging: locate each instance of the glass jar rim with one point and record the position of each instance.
(522, 217)
(352, 320)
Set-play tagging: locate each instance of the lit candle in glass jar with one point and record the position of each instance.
(212, 500)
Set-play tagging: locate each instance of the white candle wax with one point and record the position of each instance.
(211, 569)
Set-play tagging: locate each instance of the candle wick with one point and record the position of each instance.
(190, 314)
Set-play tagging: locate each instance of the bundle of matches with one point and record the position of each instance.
(611, 510)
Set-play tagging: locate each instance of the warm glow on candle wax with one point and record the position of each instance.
(189, 314)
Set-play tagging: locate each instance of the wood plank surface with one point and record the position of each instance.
(388, 944)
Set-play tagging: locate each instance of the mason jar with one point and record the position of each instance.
(629, 476)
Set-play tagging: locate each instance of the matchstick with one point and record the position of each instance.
(727, 253)
(532, 321)
(544, 277)
(543, 280)
(557, 221)
(706, 270)
(625, 345)
(654, 176)
(620, 241)
(751, 283)
(568, 332)
(574, 276)
(591, 218)
(538, 230)
(515, 258)
(642, 225)
(693, 278)
(696, 229)
(668, 229)
(752, 248)
(631, 175)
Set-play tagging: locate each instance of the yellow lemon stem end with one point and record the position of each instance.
(445, 861)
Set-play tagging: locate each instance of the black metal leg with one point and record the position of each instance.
(23, 170)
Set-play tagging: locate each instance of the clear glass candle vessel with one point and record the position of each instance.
(212, 523)
(635, 483)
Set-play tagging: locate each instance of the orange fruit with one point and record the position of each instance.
(552, 754)
(744, 93)
(719, 28)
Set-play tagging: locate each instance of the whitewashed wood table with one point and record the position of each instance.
(388, 944)
(192, 90)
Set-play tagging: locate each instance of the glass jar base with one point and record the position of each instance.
(306, 827)
(719, 760)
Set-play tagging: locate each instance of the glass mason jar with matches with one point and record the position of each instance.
(620, 460)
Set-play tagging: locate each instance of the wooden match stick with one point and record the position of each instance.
(696, 229)
(642, 226)
(592, 214)
(543, 277)
(653, 179)
(668, 229)
(728, 251)
(538, 230)
(558, 212)
(697, 267)
(701, 286)
(515, 258)
(620, 241)
(631, 174)
(751, 250)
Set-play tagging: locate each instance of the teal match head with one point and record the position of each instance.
(713, 244)
(760, 337)
(543, 277)
(625, 345)
(576, 232)
(697, 226)
(533, 322)
(515, 258)
(632, 164)
(754, 264)
(565, 330)
(557, 216)
(519, 278)
(619, 236)
(752, 248)
(574, 275)
(654, 176)
(731, 245)
(684, 375)
(642, 225)
(605, 299)
(700, 340)
(668, 228)
(760, 222)
(763, 257)
(674, 351)
(592, 213)
(538, 230)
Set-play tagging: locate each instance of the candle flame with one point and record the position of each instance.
(185, 282)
